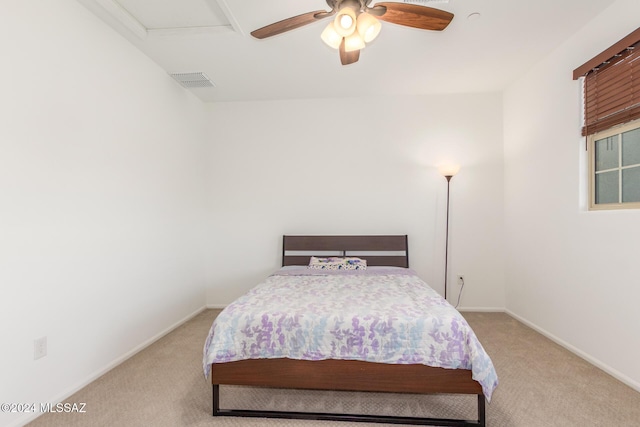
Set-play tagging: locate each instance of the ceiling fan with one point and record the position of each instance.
(356, 24)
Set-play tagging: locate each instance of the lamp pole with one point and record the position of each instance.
(446, 246)
(448, 171)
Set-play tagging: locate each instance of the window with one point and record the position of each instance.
(615, 167)
(612, 124)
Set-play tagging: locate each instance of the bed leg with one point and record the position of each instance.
(481, 411)
(216, 399)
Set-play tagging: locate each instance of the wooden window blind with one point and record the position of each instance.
(612, 85)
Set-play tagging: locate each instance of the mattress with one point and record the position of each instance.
(380, 314)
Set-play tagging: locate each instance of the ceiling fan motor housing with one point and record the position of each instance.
(357, 5)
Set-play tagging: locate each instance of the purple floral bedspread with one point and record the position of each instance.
(383, 315)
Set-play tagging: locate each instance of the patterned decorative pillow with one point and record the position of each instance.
(336, 263)
(332, 263)
(355, 264)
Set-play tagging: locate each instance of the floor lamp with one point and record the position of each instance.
(448, 172)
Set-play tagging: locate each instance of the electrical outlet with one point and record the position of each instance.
(460, 279)
(39, 348)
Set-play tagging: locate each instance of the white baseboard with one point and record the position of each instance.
(65, 395)
(483, 309)
(599, 364)
(216, 306)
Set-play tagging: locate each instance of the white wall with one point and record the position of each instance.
(358, 166)
(570, 272)
(101, 199)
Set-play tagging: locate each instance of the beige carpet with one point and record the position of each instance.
(541, 384)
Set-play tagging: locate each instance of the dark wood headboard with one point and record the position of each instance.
(393, 250)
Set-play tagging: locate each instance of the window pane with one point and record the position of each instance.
(631, 185)
(607, 153)
(607, 187)
(631, 148)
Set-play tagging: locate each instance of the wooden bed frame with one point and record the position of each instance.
(347, 375)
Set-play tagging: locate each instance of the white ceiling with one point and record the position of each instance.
(470, 55)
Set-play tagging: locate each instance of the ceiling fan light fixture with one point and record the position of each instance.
(345, 21)
(354, 23)
(331, 37)
(353, 42)
(368, 27)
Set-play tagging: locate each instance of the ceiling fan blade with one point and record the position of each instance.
(290, 24)
(412, 15)
(348, 57)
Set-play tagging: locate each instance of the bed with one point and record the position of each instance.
(368, 365)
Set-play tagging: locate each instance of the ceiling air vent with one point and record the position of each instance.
(193, 79)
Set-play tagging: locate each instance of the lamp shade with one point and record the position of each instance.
(331, 37)
(345, 21)
(368, 27)
(353, 42)
(448, 170)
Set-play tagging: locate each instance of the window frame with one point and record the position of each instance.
(591, 149)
